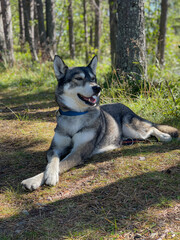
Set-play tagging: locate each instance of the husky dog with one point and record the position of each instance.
(84, 128)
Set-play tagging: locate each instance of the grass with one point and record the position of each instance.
(115, 195)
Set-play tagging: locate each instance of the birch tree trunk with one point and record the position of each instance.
(7, 23)
(162, 32)
(31, 31)
(2, 37)
(130, 45)
(21, 24)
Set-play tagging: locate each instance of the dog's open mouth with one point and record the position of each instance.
(88, 100)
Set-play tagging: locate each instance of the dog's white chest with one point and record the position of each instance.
(70, 125)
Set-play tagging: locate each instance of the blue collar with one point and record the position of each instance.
(71, 113)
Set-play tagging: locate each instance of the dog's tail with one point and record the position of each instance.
(173, 132)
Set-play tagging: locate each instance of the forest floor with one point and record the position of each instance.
(128, 193)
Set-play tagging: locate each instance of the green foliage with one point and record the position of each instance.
(27, 75)
(161, 89)
(152, 15)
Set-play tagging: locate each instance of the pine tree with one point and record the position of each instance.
(162, 32)
(41, 27)
(130, 44)
(113, 29)
(71, 30)
(50, 27)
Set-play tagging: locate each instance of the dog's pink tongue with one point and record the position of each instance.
(90, 99)
(93, 100)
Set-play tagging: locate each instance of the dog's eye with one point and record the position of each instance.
(78, 78)
(93, 79)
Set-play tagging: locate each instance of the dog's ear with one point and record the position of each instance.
(93, 64)
(60, 67)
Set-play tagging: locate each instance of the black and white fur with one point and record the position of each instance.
(99, 129)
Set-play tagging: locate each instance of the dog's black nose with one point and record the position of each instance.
(96, 89)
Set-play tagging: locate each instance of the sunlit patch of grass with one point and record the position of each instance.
(9, 206)
(11, 194)
(122, 194)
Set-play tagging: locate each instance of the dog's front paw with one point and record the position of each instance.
(30, 184)
(51, 176)
(34, 182)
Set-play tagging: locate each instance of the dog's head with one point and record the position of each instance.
(77, 87)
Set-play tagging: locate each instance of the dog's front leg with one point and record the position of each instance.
(58, 147)
(51, 175)
(83, 146)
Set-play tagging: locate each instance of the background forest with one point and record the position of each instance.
(36, 30)
(77, 30)
(130, 193)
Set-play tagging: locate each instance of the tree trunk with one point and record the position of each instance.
(28, 6)
(113, 29)
(71, 30)
(162, 32)
(97, 5)
(130, 45)
(31, 30)
(2, 37)
(91, 30)
(91, 36)
(36, 28)
(7, 23)
(21, 24)
(26, 11)
(85, 31)
(62, 23)
(41, 27)
(50, 27)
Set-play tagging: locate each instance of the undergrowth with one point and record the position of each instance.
(159, 93)
(128, 193)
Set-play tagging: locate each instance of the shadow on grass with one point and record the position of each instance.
(28, 107)
(30, 115)
(118, 203)
(18, 161)
(12, 97)
(113, 207)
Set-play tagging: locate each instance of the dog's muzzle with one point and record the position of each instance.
(96, 89)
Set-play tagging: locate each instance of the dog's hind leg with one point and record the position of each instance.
(143, 129)
(164, 137)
